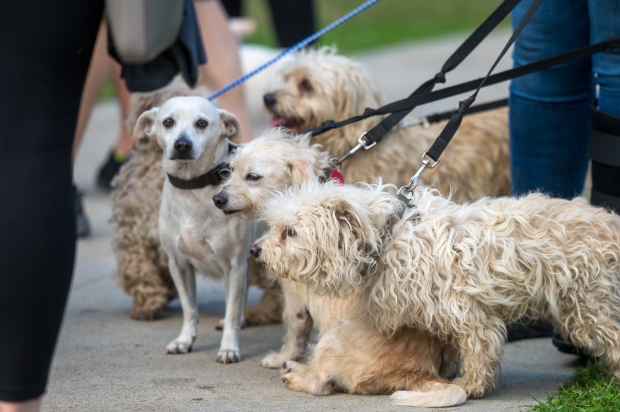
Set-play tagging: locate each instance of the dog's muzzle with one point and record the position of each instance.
(182, 149)
(220, 199)
(255, 251)
(270, 100)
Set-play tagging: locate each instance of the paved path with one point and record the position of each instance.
(107, 362)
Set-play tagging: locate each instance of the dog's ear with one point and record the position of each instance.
(300, 169)
(145, 123)
(232, 127)
(351, 224)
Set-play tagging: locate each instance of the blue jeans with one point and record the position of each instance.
(550, 109)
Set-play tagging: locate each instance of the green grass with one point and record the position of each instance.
(385, 23)
(588, 391)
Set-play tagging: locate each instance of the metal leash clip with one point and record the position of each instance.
(426, 164)
(416, 121)
(361, 144)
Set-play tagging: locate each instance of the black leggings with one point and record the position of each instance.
(45, 49)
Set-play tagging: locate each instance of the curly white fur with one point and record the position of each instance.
(464, 271)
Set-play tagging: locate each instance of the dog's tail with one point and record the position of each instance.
(437, 395)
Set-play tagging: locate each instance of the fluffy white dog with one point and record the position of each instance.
(460, 272)
(350, 356)
(195, 137)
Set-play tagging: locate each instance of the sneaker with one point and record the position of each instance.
(109, 170)
(81, 220)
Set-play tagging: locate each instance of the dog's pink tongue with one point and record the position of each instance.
(276, 121)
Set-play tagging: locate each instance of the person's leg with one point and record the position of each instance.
(224, 63)
(549, 113)
(550, 109)
(605, 137)
(98, 72)
(125, 141)
(293, 20)
(49, 52)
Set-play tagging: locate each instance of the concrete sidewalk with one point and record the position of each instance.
(107, 362)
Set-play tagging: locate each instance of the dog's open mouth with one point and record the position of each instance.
(280, 121)
(231, 211)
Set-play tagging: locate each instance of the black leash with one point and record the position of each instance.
(376, 133)
(412, 101)
(212, 178)
(427, 120)
(454, 123)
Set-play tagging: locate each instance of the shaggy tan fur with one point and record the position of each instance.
(463, 272)
(141, 263)
(318, 85)
(351, 356)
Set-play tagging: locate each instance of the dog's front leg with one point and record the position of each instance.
(184, 279)
(481, 348)
(236, 292)
(298, 323)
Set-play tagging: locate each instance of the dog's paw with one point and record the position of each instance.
(180, 346)
(273, 361)
(228, 356)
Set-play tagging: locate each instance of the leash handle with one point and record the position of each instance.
(295, 47)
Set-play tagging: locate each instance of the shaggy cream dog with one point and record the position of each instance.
(318, 85)
(460, 272)
(351, 356)
(141, 263)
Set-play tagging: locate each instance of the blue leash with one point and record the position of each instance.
(294, 48)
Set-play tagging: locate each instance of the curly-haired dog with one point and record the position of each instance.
(461, 272)
(319, 85)
(350, 355)
(141, 263)
(196, 138)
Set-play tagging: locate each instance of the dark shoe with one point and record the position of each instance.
(567, 346)
(530, 330)
(108, 171)
(81, 221)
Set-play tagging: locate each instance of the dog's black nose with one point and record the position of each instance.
(220, 200)
(183, 145)
(270, 100)
(255, 250)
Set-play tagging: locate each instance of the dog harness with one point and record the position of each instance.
(405, 205)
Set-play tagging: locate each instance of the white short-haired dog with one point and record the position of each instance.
(461, 272)
(196, 139)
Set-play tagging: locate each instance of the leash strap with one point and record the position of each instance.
(427, 120)
(454, 123)
(451, 63)
(380, 130)
(295, 47)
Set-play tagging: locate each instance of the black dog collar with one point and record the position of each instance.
(212, 178)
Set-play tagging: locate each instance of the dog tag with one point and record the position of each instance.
(337, 176)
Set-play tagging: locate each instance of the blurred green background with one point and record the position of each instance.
(385, 23)
(388, 22)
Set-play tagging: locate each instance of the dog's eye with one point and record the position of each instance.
(288, 232)
(202, 124)
(305, 86)
(168, 123)
(253, 177)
